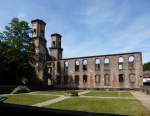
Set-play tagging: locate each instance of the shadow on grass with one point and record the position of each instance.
(15, 109)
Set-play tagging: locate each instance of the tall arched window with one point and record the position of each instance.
(120, 59)
(120, 63)
(84, 78)
(77, 79)
(131, 59)
(97, 64)
(77, 65)
(85, 65)
(106, 61)
(97, 78)
(107, 80)
(66, 65)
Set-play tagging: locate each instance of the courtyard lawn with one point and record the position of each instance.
(113, 106)
(109, 94)
(27, 99)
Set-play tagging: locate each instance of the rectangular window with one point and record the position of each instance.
(84, 67)
(77, 68)
(121, 78)
(120, 66)
(97, 78)
(97, 67)
(66, 79)
(77, 80)
(84, 78)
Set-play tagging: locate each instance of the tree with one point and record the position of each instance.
(146, 66)
(14, 52)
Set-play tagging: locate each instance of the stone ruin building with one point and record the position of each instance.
(119, 71)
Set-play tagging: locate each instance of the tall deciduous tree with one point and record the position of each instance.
(14, 46)
(146, 66)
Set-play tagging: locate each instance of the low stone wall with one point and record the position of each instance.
(146, 89)
(6, 89)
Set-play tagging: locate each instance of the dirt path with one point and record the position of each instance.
(145, 99)
(48, 102)
(61, 98)
(108, 97)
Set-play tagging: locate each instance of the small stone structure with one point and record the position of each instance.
(21, 89)
(71, 93)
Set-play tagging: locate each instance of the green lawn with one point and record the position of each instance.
(114, 106)
(27, 99)
(109, 94)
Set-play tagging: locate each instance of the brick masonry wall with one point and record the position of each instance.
(131, 71)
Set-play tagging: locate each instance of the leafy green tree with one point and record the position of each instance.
(14, 53)
(146, 66)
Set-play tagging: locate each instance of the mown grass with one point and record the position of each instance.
(27, 99)
(112, 106)
(109, 94)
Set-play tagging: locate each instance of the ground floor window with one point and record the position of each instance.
(58, 80)
(84, 78)
(77, 79)
(97, 78)
(66, 79)
(121, 78)
(107, 80)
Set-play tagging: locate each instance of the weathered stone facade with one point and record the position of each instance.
(122, 70)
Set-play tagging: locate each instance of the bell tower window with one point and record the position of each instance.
(34, 31)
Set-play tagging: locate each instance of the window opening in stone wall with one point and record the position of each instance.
(66, 65)
(66, 79)
(84, 65)
(106, 80)
(131, 59)
(106, 61)
(77, 79)
(84, 78)
(120, 66)
(121, 78)
(34, 31)
(97, 64)
(77, 65)
(97, 78)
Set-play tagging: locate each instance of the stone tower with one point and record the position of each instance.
(55, 49)
(39, 41)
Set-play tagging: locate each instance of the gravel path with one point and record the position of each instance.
(61, 98)
(48, 102)
(145, 99)
(109, 97)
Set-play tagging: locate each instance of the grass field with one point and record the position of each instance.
(109, 94)
(113, 106)
(92, 104)
(27, 99)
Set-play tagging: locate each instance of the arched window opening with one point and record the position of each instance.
(84, 78)
(120, 60)
(84, 65)
(106, 80)
(66, 65)
(121, 78)
(106, 61)
(97, 78)
(97, 64)
(77, 64)
(120, 66)
(77, 79)
(131, 59)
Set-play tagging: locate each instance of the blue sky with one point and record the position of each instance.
(88, 27)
